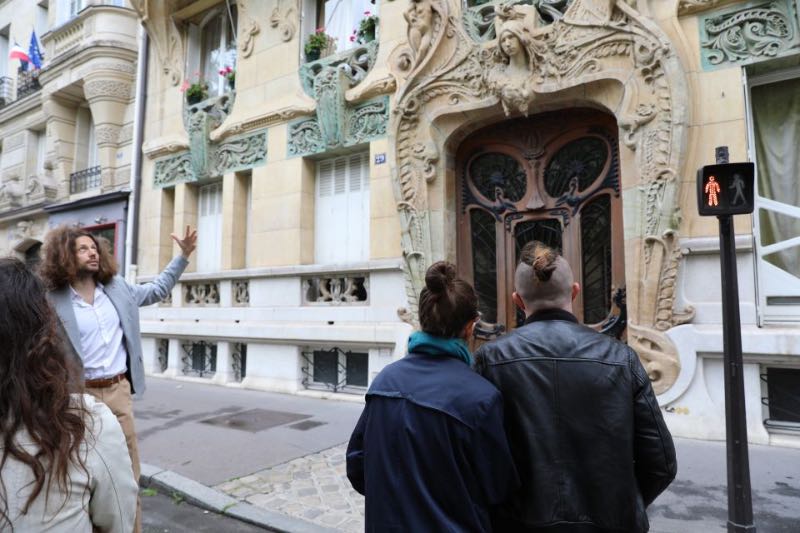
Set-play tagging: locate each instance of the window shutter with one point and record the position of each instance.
(342, 210)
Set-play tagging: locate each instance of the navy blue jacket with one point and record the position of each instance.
(429, 451)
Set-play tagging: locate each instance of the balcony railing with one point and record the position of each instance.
(27, 83)
(84, 180)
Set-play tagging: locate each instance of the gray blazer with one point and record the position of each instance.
(127, 299)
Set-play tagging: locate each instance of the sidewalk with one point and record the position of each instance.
(300, 473)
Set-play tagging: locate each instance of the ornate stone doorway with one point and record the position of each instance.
(553, 177)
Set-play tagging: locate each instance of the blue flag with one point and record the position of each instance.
(34, 53)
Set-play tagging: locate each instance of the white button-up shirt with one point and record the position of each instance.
(104, 353)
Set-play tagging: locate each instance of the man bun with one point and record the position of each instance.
(440, 277)
(541, 258)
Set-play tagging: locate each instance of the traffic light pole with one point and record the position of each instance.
(740, 505)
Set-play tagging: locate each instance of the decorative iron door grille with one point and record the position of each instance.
(163, 354)
(335, 369)
(199, 359)
(239, 361)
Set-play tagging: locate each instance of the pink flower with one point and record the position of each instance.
(352, 38)
(184, 86)
(367, 13)
(321, 29)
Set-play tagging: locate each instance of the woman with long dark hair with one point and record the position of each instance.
(429, 451)
(64, 464)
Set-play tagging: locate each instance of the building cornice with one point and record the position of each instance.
(88, 202)
(12, 110)
(23, 212)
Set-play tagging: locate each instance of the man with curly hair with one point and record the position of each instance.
(99, 314)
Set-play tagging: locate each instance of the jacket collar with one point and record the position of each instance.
(550, 314)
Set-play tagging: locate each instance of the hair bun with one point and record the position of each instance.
(440, 276)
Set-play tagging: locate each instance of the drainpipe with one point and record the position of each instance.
(132, 228)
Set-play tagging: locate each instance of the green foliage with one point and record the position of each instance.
(316, 41)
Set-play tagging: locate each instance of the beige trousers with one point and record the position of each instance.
(118, 398)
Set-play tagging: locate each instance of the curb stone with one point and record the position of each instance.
(219, 502)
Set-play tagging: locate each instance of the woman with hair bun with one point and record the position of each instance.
(429, 451)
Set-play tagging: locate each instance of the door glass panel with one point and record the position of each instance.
(582, 159)
(484, 262)
(495, 172)
(596, 259)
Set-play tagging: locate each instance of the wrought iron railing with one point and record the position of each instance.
(6, 90)
(27, 82)
(163, 354)
(84, 180)
(783, 399)
(336, 370)
(199, 358)
(239, 360)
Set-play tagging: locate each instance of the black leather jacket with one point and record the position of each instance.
(585, 430)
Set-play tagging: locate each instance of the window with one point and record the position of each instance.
(213, 47)
(341, 222)
(338, 17)
(4, 53)
(782, 400)
(209, 226)
(68, 9)
(775, 133)
(41, 151)
(42, 16)
(336, 369)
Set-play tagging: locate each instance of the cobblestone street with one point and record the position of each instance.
(314, 488)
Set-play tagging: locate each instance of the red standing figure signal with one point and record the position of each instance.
(712, 190)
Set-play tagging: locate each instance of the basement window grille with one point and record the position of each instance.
(783, 398)
(199, 359)
(335, 369)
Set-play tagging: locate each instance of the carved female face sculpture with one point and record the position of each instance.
(510, 44)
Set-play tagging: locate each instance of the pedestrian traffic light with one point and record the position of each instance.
(725, 189)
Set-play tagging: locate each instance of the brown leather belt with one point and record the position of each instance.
(102, 383)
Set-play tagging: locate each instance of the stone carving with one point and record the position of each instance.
(201, 294)
(338, 123)
(360, 124)
(96, 89)
(593, 40)
(686, 7)
(156, 16)
(480, 21)
(199, 120)
(241, 292)
(231, 155)
(23, 230)
(239, 154)
(750, 33)
(12, 191)
(107, 134)
(284, 18)
(248, 29)
(338, 289)
(172, 170)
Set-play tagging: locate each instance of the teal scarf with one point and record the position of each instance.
(421, 342)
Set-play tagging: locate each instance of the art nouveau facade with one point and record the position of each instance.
(323, 189)
(67, 129)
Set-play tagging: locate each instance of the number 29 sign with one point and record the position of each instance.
(725, 189)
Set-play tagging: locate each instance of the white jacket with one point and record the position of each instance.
(104, 499)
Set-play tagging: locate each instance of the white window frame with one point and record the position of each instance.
(766, 273)
(209, 249)
(42, 18)
(342, 217)
(68, 10)
(194, 59)
(311, 12)
(41, 151)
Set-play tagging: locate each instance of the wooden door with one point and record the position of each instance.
(554, 178)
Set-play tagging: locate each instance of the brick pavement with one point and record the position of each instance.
(314, 488)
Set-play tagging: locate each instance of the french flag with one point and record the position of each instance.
(17, 52)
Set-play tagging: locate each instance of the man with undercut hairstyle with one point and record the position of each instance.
(585, 430)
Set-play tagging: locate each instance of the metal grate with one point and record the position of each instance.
(84, 180)
(163, 354)
(27, 82)
(239, 361)
(199, 358)
(336, 370)
(783, 398)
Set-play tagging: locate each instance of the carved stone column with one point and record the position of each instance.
(109, 95)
